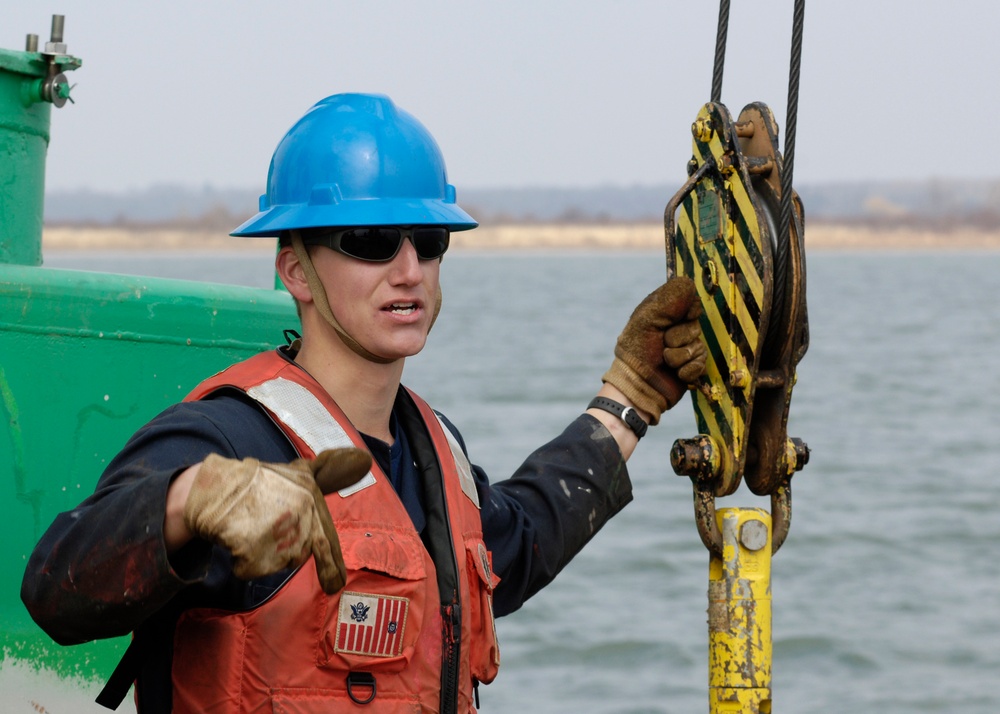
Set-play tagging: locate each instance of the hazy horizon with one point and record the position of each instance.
(967, 202)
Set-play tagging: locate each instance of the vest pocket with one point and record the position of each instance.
(484, 651)
(373, 624)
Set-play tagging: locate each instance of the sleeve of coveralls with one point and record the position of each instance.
(102, 568)
(536, 521)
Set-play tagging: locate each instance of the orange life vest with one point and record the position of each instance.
(389, 635)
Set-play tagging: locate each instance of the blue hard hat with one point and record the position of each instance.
(356, 160)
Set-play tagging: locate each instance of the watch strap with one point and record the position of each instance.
(627, 414)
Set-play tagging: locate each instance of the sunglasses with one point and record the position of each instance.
(379, 244)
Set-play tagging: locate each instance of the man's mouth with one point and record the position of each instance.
(402, 308)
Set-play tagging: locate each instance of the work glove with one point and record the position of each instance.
(660, 351)
(272, 516)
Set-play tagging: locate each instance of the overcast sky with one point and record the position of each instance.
(567, 93)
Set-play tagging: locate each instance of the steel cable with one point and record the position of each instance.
(720, 50)
(785, 211)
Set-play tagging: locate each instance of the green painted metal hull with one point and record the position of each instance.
(85, 360)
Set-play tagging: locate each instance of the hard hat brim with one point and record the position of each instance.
(391, 212)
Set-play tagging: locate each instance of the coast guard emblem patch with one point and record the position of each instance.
(371, 625)
(484, 558)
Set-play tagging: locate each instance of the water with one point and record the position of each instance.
(886, 595)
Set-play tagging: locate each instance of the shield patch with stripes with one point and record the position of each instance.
(370, 624)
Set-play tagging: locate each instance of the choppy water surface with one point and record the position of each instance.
(886, 595)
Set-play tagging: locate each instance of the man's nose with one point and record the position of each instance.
(407, 261)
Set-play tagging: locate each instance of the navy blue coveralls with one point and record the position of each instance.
(101, 570)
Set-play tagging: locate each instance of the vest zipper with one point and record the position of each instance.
(440, 543)
(452, 660)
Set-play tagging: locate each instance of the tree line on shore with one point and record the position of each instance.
(931, 205)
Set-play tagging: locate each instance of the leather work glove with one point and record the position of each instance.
(660, 351)
(272, 516)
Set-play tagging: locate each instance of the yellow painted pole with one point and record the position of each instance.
(739, 614)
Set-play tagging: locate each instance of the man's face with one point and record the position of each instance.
(387, 307)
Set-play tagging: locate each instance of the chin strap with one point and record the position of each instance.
(437, 308)
(323, 305)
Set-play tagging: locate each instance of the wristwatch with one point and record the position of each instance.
(626, 414)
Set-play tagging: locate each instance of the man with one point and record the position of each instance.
(260, 557)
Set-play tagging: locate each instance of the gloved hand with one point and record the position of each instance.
(271, 516)
(660, 350)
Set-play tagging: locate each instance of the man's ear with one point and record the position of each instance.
(292, 275)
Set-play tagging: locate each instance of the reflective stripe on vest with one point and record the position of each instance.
(296, 407)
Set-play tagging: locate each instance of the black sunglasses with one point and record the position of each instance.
(379, 244)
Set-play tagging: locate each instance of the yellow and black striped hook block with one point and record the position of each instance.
(722, 230)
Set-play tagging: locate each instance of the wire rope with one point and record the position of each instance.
(780, 282)
(720, 50)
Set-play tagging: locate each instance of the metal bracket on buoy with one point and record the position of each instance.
(53, 87)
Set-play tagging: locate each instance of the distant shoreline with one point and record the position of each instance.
(543, 236)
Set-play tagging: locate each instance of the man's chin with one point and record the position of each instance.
(403, 349)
